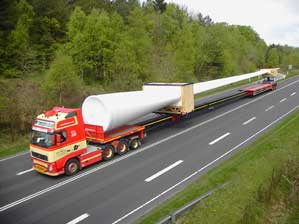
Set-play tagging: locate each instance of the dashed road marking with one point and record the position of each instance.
(79, 219)
(163, 171)
(220, 138)
(25, 171)
(248, 121)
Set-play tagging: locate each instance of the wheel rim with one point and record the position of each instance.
(135, 144)
(73, 167)
(108, 153)
(122, 148)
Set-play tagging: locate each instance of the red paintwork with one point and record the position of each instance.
(66, 122)
(259, 88)
(77, 131)
(94, 156)
(96, 134)
(45, 170)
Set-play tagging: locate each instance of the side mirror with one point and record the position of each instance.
(53, 140)
(58, 139)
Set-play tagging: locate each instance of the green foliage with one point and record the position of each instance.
(93, 39)
(272, 60)
(163, 42)
(118, 45)
(19, 48)
(160, 5)
(204, 20)
(62, 85)
(19, 104)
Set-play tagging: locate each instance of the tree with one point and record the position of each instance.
(160, 5)
(19, 103)
(272, 59)
(62, 85)
(19, 47)
(93, 39)
(204, 20)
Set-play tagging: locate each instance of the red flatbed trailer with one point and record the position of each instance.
(259, 88)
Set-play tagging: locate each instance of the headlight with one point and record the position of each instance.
(50, 167)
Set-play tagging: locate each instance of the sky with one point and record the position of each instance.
(276, 21)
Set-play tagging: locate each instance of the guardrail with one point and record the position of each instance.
(172, 217)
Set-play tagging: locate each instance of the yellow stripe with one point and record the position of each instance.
(219, 101)
(90, 158)
(201, 107)
(197, 108)
(154, 122)
(223, 100)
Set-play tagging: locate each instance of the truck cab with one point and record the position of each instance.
(57, 138)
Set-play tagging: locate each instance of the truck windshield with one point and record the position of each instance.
(42, 139)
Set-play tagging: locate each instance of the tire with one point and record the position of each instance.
(135, 144)
(122, 147)
(108, 152)
(71, 167)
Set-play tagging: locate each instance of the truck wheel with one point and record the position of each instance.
(108, 152)
(135, 143)
(122, 147)
(71, 167)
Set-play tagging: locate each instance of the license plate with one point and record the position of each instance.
(40, 168)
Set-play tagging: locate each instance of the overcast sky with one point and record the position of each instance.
(276, 21)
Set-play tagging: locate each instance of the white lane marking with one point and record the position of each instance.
(163, 171)
(17, 155)
(248, 121)
(204, 167)
(284, 99)
(78, 219)
(100, 167)
(293, 94)
(25, 171)
(269, 108)
(220, 138)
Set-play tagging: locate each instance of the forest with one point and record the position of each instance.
(58, 52)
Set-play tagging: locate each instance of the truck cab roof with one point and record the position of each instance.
(56, 119)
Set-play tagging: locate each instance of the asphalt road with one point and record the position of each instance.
(172, 156)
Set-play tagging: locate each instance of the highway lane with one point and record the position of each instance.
(114, 191)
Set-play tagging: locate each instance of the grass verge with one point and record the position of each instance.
(10, 147)
(245, 172)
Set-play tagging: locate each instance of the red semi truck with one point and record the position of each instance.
(63, 144)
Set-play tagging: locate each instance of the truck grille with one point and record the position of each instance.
(39, 156)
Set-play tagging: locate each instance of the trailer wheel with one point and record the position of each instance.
(71, 167)
(122, 147)
(135, 143)
(108, 152)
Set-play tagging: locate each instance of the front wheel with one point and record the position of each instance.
(71, 167)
